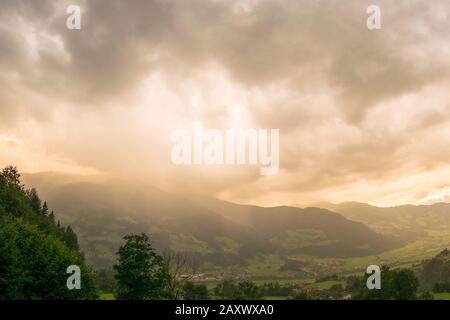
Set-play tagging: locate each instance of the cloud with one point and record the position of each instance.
(351, 104)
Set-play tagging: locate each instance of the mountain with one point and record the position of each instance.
(220, 233)
(406, 222)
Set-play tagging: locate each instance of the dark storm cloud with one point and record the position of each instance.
(324, 79)
(293, 41)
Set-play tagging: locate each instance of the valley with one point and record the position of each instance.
(226, 239)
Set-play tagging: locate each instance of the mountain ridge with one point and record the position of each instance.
(219, 232)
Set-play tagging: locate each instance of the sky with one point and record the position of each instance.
(363, 115)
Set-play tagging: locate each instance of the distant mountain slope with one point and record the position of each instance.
(317, 231)
(407, 222)
(220, 232)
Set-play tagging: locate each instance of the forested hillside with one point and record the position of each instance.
(35, 250)
(435, 272)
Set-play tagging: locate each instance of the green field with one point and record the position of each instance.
(107, 296)
(265, 266)
(404, 257)
(274, 298)
(442, 296)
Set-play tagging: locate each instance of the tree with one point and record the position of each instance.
(45, 208)
(33, 254)
(225, 289)
(244, 290)
(436, 271)
(191, 291)
(35, 201)
(141, 272)
(404, 285)
(11, 176)
(52, 217)
(247, 290)
(71, 239)
(399, 284)
(182, 268)
(33, 265)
